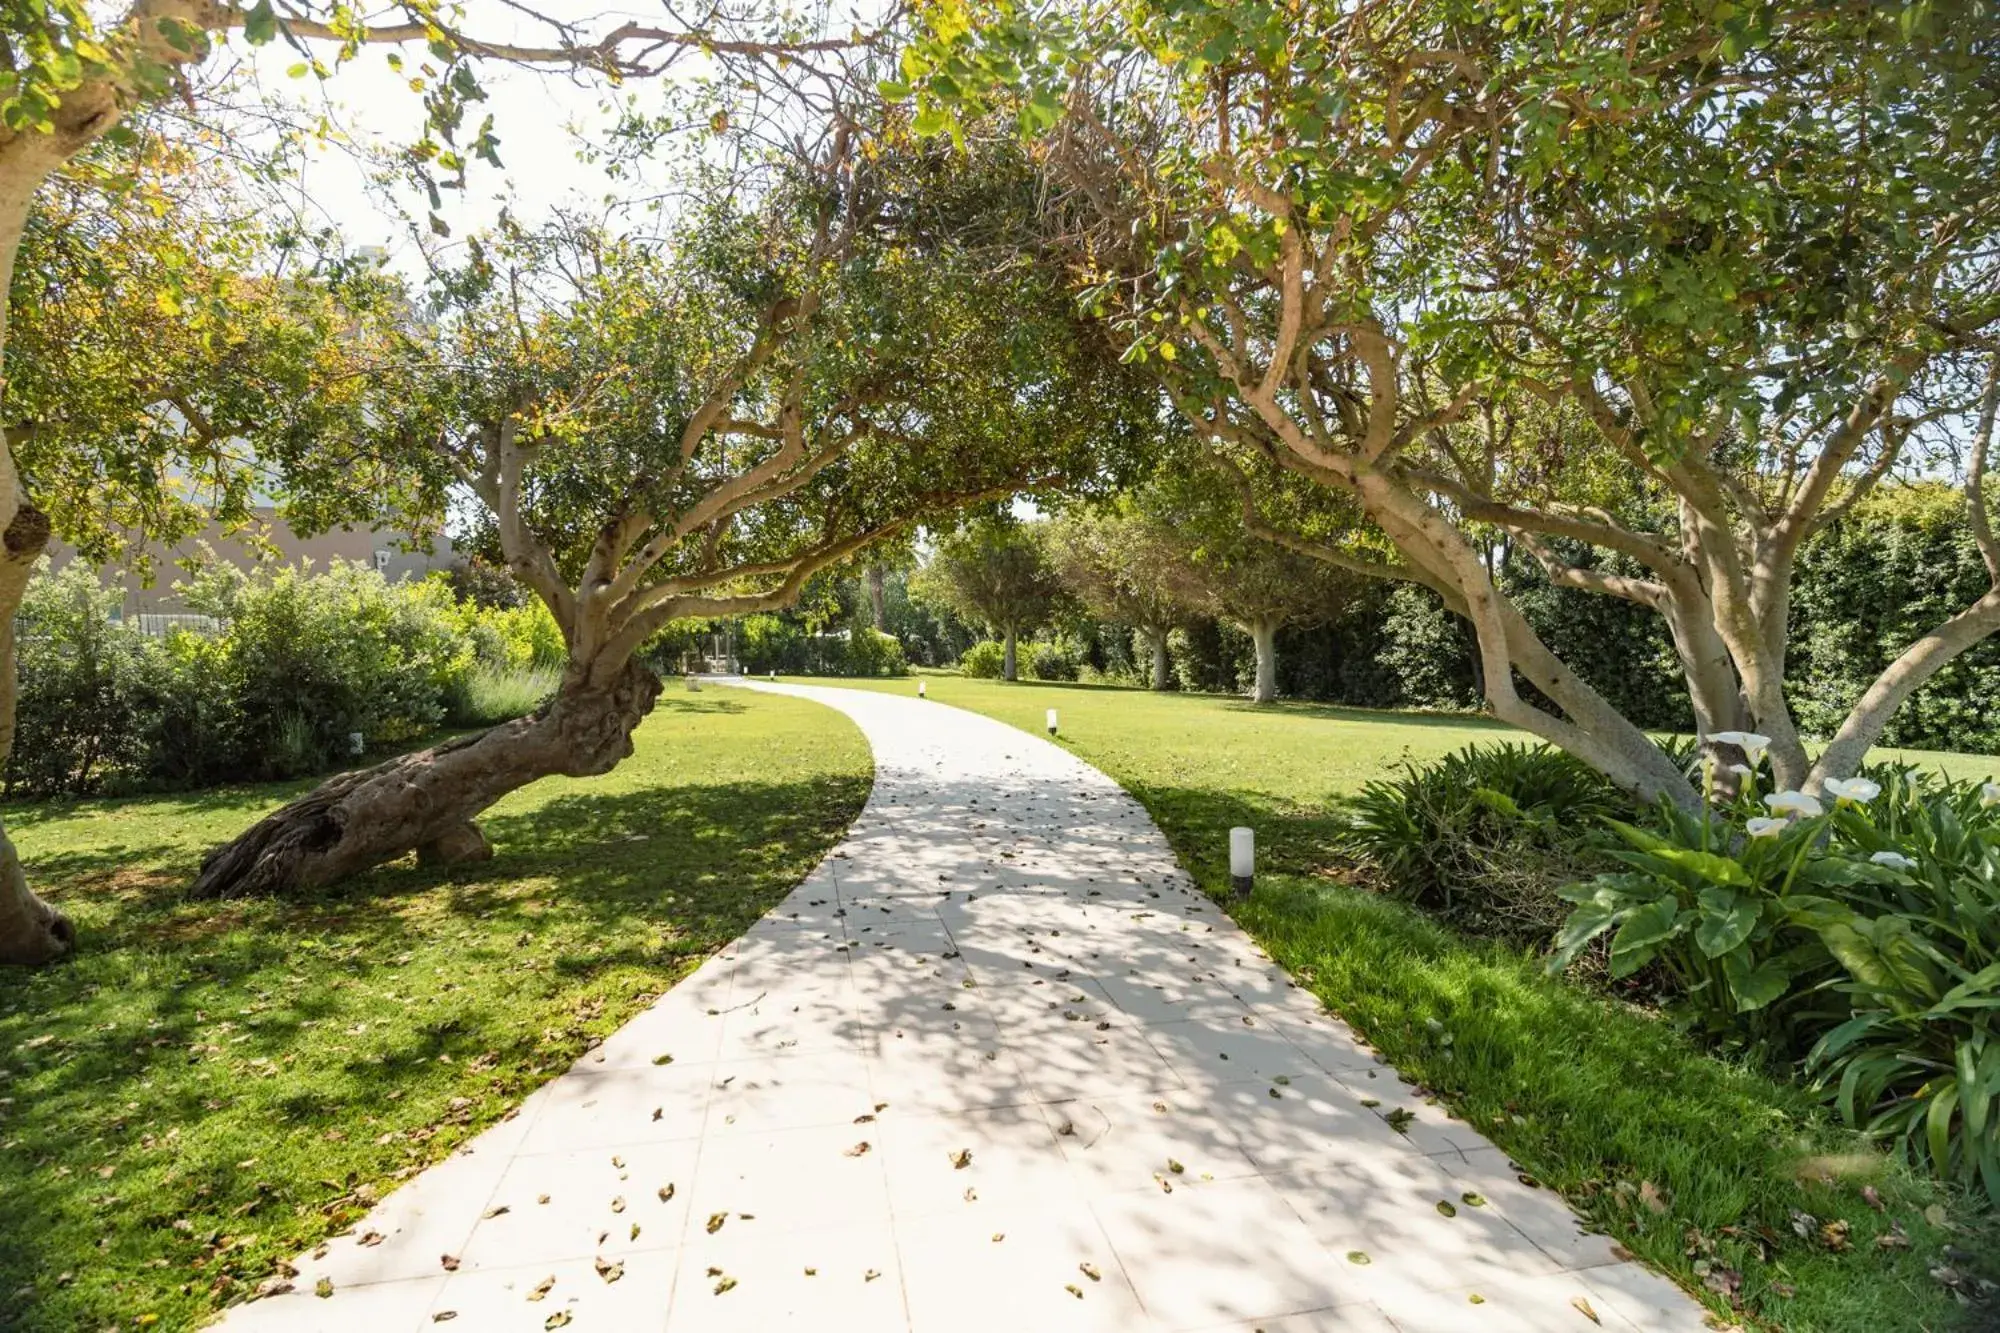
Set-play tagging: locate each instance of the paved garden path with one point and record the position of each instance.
(994, 1066)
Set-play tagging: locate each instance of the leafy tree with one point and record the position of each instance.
(168, 365)
(659, 433)
(74, 80)
(1680, 286)
(1220, 569)
(1124, 566)
(993, 571)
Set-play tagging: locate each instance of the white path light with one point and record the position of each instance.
(1242, 859)
(1052, 722)
(920, 689)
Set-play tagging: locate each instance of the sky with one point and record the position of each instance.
(542, 118)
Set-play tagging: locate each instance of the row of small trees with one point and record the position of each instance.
(1155, 560)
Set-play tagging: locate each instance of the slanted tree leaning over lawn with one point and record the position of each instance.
(993, 572)
(71, 80)
(1751, 245)
(692, 431)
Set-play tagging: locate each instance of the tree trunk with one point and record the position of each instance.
(31, 931)
(1264, 634)
(425, 802)
(876, 595)
(1163, 676)
(1007, 660)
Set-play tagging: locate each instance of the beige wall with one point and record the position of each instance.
(341, 544)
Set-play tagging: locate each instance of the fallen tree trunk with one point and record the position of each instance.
(425, 802)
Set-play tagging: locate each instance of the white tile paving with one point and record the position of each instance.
(994, 1065)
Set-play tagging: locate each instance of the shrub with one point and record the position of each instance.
(488, 696)
(771, 643)
(188, 726)
(870, 652)
(346, 652)
(77, 668)
(1052, 661)
(1485, 836)
(298, 662)
(984, 660)
(1861, 941)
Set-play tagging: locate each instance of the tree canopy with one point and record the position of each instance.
(1678, 285)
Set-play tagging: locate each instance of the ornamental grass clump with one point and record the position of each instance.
(1852, 933)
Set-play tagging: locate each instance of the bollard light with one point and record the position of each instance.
(920, 689)
(1242, 860)
(1052, 722)
(774, 675)
(693, 683)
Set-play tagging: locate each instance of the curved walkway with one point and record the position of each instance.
(995, 1066)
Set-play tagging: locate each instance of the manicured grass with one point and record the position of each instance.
(1684, 1158)
(209, 1088)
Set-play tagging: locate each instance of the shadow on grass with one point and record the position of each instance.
(204, 1085)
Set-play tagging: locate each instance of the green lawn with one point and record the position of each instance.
(1686, 1159)
(209, 1088)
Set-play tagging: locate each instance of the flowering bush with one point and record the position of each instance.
(1855, 931)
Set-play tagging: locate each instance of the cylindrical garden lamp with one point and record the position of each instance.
(1052, 722)
(1242, 860)
(920, 689)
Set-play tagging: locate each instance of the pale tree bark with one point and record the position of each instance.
(1163, 670)
(1264, 638)
(31, 931)
(1008, 658)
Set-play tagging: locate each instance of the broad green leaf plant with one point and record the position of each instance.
(1860, 938)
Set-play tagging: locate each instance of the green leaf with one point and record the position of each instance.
(1937, 1129)
(1715, 869)
(1726, 921)
(260, 23)
(1585, 924)
(1646, 925)
(1755, 987)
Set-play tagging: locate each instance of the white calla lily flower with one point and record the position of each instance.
(1752, 745)
(1742, 770)
(1761, 827)
(1794, 803)
(1893, 860)
(1858, 790)
(1989, 794)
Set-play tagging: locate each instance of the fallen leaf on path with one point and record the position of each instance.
(542, 1288)
(323, 1288)
(610, 1272)
(1583, 1308)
